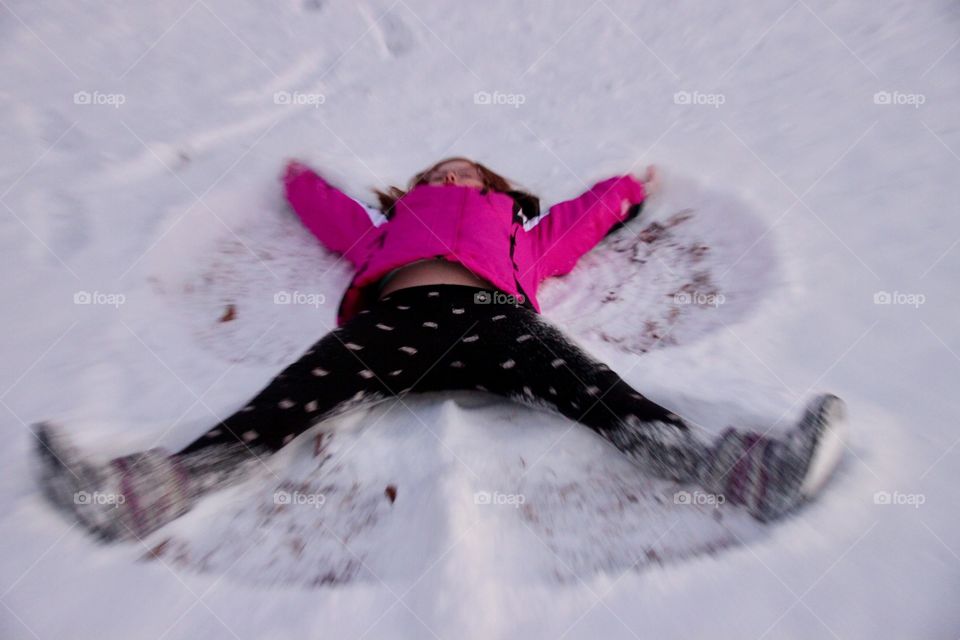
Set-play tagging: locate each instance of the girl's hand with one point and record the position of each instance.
(651, 180)
(294, 168)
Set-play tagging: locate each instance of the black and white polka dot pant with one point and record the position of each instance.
(450, 337)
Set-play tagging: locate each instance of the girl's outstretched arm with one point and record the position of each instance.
(337, 220)
(570, 229)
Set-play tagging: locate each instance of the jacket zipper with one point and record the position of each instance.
(516, 281)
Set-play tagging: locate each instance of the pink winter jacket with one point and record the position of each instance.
(460, 224)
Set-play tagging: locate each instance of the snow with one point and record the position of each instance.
(795, 194)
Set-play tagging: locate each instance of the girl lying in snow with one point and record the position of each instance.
(444, 298)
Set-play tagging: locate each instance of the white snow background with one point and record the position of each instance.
(809, 153)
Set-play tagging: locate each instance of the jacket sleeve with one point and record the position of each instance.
(572, 228)
(337, 220)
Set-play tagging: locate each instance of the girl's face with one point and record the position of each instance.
(456, 172)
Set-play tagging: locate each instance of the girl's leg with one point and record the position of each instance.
(381, 353)
(513, 351)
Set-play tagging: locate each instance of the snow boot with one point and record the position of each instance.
(131, 496)
(773, 476)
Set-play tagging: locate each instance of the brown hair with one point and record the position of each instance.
(491, 181)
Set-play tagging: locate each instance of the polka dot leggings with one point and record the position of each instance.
(450, 337)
